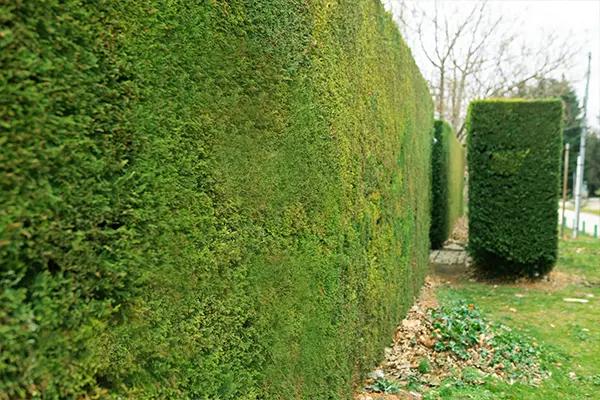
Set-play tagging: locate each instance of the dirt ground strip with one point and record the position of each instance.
(401, 361)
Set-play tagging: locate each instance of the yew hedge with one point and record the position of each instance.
(447, 183)
(514, 149)
(206, 200)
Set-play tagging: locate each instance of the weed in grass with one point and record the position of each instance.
(472, 376)
(582, 334)
(415, 384)
(383, 385)
(424, 366)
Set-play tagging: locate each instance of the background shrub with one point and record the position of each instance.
(218, 200)
(513, 153)
(447, 172)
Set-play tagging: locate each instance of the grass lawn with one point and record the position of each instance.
(588, 210)
(570, 331)
(591, 210)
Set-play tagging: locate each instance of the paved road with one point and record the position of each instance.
(589, 223)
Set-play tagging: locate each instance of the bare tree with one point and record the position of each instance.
(476, 54)
(442, 53)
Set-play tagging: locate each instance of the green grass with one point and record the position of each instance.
(591, 210)
(588, 210)
(570, 331)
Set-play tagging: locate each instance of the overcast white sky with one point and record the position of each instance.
(577, 19)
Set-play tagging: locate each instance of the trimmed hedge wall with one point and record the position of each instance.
(217, 200)
(447, 182)
(514, 149)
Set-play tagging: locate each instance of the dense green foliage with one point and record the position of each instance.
(217, 200)
(514, 149)
(447, 177)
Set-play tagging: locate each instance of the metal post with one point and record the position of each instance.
(577, 193)
(565, 180)
(581, 156)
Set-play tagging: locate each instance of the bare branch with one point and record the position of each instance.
(481, 55)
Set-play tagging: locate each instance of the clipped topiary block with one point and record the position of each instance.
(514, 151)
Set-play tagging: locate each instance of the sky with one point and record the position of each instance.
(575, 19)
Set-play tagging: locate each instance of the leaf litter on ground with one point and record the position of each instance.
(435, 343)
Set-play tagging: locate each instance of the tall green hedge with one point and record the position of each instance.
(206, 200)
(514, 149)
(447, 182)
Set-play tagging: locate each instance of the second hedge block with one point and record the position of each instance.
(514, 151)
